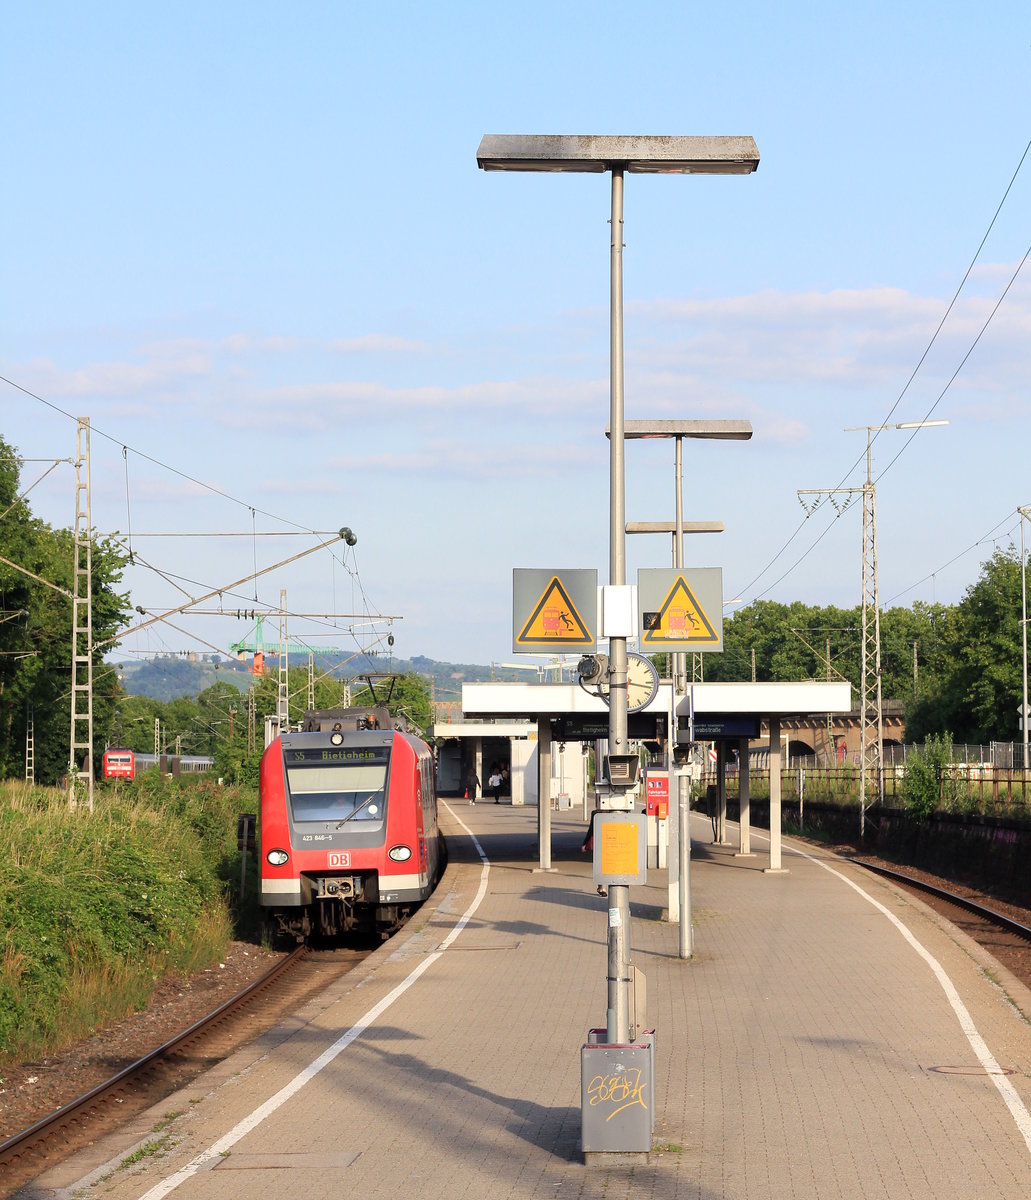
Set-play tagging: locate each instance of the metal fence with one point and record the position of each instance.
(1006, 755)
(995, 754)
(984, 786)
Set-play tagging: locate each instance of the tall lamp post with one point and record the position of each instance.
(618, 156)
(678, 853)
(679, 899)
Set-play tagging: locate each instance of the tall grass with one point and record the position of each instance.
(96, 907)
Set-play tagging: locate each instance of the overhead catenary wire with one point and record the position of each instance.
(179, 629)
(18, 499)
(268, 608)
(168, 576)
(217, 533)
(329, 620)
(945, 317)
(210, 487)
(934, 337)
(985, 537)
(134, 560)
(912, 435)
(962, 363)
(209, 595)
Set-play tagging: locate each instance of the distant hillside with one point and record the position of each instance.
(169, 676)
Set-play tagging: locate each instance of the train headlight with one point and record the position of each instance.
(277, 857)
(400, 853)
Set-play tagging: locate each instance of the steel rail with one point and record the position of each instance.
(20, 1143)
(979, 910)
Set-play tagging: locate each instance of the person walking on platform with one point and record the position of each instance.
(494, 783)
(472, 787)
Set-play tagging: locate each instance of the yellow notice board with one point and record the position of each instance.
(620, 848)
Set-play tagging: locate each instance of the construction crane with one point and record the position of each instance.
(260, 648)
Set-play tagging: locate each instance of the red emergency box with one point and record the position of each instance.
(657, 794)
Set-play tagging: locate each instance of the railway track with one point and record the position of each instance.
(170, 1065)
(969, 905)
(1006, 935)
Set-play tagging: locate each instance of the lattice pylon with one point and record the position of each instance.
(871, 746)
(870, 683)
(80, 755)
(30, 746)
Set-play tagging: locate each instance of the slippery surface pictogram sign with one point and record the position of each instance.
(680, 619)
(681, 610)
(555, 619)
(554, 610)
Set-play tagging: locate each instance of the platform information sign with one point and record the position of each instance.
(680, 609)
(554, 611)
(620, 848)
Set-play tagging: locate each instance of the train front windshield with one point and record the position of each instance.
(338, 785)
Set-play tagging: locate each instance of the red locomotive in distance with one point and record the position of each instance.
(349, 836)
(119, 764)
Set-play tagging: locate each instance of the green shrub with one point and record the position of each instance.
(95, 907)
(928, 785)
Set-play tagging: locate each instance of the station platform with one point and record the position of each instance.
(831, 1037)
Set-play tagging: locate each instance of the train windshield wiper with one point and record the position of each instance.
(368, 800)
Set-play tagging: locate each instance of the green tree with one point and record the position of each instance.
(979, 652)
(789, 642)
(793, 641)
(133, 723)
(902, 629)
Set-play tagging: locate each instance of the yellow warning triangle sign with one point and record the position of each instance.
(554, 619)
(680, 619)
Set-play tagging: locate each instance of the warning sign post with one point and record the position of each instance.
(554, 611)
(680, 609)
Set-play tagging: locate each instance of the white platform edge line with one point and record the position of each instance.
(254, 1119)
(1010, 1095)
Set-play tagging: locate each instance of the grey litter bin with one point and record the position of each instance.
(616, 1095)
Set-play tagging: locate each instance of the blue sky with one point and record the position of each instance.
(251, 244)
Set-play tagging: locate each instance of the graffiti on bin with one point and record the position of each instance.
(622, 1090)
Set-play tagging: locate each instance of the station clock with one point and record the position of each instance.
(642, 682)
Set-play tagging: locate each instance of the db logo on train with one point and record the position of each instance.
(339, 858)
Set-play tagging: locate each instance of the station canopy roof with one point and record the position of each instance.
(529, 701)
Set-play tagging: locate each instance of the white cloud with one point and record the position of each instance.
(107, 379)
(453, 461)
(377, 343)
(846, 338)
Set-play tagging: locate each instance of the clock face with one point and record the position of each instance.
(642, 682)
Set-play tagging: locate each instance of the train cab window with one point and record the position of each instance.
(342, 792)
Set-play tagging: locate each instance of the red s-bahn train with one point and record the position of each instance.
(349, 836)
